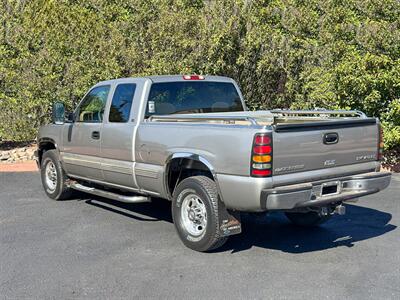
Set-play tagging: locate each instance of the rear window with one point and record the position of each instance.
(192, 97)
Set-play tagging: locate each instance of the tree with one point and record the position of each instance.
(284, 53)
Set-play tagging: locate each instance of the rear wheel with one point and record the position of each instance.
(195, 213)
(308, 219)
(54, 179)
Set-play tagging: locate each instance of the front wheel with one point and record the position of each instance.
(308, 219)
(53, 176)
(195, 213)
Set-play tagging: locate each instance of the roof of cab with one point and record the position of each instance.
(168, 78)
(164, 78)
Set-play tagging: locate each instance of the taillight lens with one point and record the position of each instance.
(380, 143)
(262, 158)
(262, 140)
(262, 149)
(261, 173)
(261, 155)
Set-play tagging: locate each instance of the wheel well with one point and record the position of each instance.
(43, 147)
(180, 168)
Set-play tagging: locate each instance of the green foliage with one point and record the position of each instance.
(391, 125)
(288, 54)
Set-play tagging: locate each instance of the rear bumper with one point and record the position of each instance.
(309, 194)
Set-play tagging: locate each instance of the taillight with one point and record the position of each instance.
(380, 143)
(193, 77)
(261, 155)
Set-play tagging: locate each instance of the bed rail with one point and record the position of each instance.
(200, 118)
(260, 120)
(319, 113)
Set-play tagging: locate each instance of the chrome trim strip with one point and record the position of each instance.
(115, 168)
(118, 166)
(75, 159)
(146, 173)
(105, 164)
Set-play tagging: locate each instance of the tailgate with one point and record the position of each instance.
(318, 145)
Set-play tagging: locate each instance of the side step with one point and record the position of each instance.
(110, 195)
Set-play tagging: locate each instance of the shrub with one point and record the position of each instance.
(300, 54)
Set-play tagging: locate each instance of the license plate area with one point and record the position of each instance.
(330, 188)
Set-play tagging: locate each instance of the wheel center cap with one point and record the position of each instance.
(191, 215)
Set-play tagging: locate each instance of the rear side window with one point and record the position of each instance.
(192, 97)
(122, 102)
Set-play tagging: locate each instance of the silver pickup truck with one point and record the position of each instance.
(190, 139)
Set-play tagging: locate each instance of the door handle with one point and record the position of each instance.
(331, 138)
(95, 135)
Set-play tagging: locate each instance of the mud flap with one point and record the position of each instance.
(229, 221)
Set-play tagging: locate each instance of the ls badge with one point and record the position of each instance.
(329, 162)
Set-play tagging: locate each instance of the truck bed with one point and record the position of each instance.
(299, 136)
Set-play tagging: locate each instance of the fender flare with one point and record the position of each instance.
(192, 156)
(47, 140)
(39, 150)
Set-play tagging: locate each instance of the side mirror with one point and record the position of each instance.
(58, 113)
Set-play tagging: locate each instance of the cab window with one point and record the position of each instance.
(92, 106)
(121, 103)
(184, 97)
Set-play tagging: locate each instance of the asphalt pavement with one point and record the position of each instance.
(92, 248)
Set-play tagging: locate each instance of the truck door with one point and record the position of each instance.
(118, 135)
(81, 154)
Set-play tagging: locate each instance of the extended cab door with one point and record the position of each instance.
(81, 153)
(117, 148)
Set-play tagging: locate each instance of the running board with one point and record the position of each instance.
(110, 195)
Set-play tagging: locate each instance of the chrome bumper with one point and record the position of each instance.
(310, 194)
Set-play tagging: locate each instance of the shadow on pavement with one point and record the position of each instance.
(157, 210)
(274, 231)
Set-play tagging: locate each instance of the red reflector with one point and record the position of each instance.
(261, 172)
(262, 149)
(193, 77)
(262, 140)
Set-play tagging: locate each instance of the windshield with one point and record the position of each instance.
(192, 97)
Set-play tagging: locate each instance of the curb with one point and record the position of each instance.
(29, 166)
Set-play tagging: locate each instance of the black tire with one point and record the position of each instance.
(206, 190)
(60, 191)
(307, 219)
